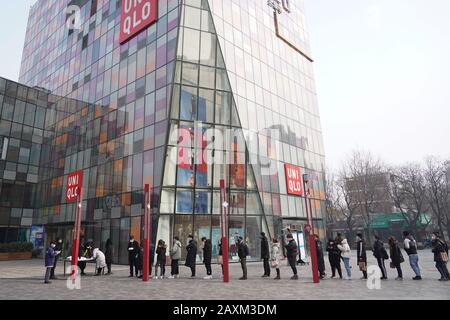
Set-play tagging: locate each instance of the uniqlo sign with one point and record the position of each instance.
(136, 16)
(74, 185)
(293, 180)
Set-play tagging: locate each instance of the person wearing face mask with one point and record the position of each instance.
(191, 257)
(265, 255)
(49, 261)
(58, 250)
(133, 255)
(440, 251)
(207, 257)
(243, 253)
(175, 254)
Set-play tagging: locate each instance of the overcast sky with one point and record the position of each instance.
(382, 71)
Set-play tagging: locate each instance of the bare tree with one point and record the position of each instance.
(366, 180)
(331, 201)
(438, 191)
(408, 191)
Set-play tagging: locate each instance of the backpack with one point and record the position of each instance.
(385, 254)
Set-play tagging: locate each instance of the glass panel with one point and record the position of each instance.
(236, 230)
(184, 202)
(253, 236)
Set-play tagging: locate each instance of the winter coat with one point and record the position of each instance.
(161, 254)
(243, 251)
(109, 253)
(275, 254)
(191, 257)
(320, 259)
(410, 245)
(396, 254)
(378, 249)
(50, 257)
(361, 251)
(207, 252)
(345, 249)
(334, 254)
(291, 250)
(133, 250)
(439, 247)
(220, 249)
(175, 253)
(265, 252)
(100, 259)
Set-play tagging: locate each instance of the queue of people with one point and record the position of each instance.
(338, 249)
(271, 255)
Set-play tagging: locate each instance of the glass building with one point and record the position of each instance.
(214, 89)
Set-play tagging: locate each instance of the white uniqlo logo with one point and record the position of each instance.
(373, 278)
(73, 284)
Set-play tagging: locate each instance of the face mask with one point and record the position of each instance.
(60, 241)
(53, 245)
(131, 241)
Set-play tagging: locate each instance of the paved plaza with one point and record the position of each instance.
(24, 280)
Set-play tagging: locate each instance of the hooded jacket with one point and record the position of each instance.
(275, 253)
(175, 253)
(345, 249)
(100, 260)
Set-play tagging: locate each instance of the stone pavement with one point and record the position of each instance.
(23, 280)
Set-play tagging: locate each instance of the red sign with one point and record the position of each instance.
(136, 16)
(293, 180)
(74, 184)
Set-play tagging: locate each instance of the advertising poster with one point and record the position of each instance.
(37, 237)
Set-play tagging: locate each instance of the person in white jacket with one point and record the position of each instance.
(100, 261)
(275, 257)
(346, 255)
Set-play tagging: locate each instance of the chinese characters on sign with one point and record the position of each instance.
(293, 180)
(74, 184)
(136, 16)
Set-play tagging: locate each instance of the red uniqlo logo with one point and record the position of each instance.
(136, 16)
(293, 180)
(74, 185)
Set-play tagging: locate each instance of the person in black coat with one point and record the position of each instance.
(440, 251)
(292, 253)
(207, 257)
(243, 253)
(334, 257)
(396, 256)
(109, 255)
(361, 255)
(265, 254)
(58, 250)
(133, 256)
(86, 251)
(380, 254)
(161, 259)
(191, 257)
(320, 259)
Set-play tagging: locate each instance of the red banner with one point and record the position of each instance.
(136, 16)
(74, 185)
(293, 180)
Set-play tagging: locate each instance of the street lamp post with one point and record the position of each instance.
(312, 241)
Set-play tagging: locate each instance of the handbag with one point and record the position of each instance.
(168, 261)
(274, 264)
(392, 265)
(362, 266)
(444, 256)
